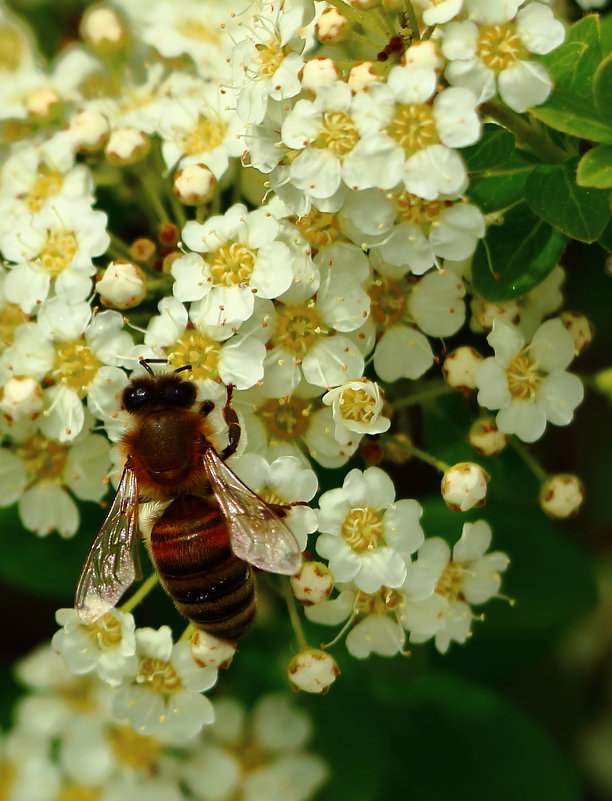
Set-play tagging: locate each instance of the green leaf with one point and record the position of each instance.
(605, 240)
(503, 185)
(588, 31)
(603, 90)
(595, 167)
(579, 212)
(494, 147)
(515, 256)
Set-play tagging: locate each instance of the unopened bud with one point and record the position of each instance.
(194, 184)
(460, 366)
(143, 249)
(44, 104)
(21, 398)
(464, 486)
(314, 583)
(122, 285)
(580, 328)
(103, 29)
(361, 76)
(484, 313)
(126, 146)
(562, 495)
(423, 54)
(89, 131)
(332, 27)
(312, 671)
(486, 438)
(209, 651)
(168, 234)
(319, 71)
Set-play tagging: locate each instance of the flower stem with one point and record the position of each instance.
(435, 389)
(412, 21)
(525, 134)
(294, 616)
(140, 594)
(529, 459)
(438, 464)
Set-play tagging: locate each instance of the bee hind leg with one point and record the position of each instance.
(231, 418)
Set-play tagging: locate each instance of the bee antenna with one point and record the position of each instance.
(147, 362)
(184, 367)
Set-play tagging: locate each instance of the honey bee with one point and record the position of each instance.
(213, 528)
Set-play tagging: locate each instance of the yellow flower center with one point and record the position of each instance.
(338, 133)
(105, 632)
(44, 458)
(133, 749)
(198, 350)
(388, 301)
(75, 366)
(159, 675)
(319, 228)
(76, 792)
(7, 779)
(417, 210)
(11, 317)
(499, 46)
(11, 47)
(47, 184)
(362, 529)
(413, 127)
(78, 695)
(523, 376)
(58, 252)
(205, 136)
(357, 404)
(271, 56)
(450, 582)
(298, 328)
(232, 264)
(286, 419)
(380, 602)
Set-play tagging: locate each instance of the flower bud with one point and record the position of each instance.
(122, 285)
(361, 76)
(460, 366)
(103, 29)
(486, 438)
(89, 131)
(194, 184)
(423, 54)
(332, 27)
(580, 328)
(143, 249)
(313, 584)
(21, 398)
(484, 313)
(317, 72)
(561, 496)
(44, 104)
(312, 671)
(126, 146)
(209, 651)
(364, 5)
(464, 486)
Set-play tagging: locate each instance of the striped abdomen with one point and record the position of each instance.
(210, 586)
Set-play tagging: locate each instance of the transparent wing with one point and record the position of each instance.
(112, 563)
(257, 533)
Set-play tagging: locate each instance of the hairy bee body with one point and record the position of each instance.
(213, 588)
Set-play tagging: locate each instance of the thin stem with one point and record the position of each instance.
(525, 133)
(529, 459)
(294, 616)
(140, 594)
(118, 248)
(150, 185)
(363, 18)
(438, 464)
(412, 21)
(435, 390)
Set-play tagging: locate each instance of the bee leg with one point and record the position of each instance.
(206, 408)
(231, 418)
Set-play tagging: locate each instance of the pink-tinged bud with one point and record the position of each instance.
(89, 131)
(312, 671)
(104, 29)
(194, 184)
(313, 584)
(460, 366)
(21, 398)
(486, 438)
(122, 285)
(464, 486)
(209, 651)
(318, 72)
(484, 313)
(561, 496)
(332, 26)
(361, 76)
(423, 54)
(126, 146)
(580, 328)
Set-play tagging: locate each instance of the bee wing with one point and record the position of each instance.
(257, 533)
(112, 563)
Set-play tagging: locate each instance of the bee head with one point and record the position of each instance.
(158, 392)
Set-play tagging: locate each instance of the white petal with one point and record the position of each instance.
(332, 361)
(558, 395)
(524, 84)
(376, 634)
(402, 353)
(474, 542)
(506, 340)
(46, 507)
(491, 380)
(553, 346)
(523, 418)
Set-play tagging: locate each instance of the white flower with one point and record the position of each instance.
(164, 696)
(528, 383)
(471, 576)
(106, 646)
(357, 409)
(367, 536)
(490, 51)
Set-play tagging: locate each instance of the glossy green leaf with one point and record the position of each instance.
(516, 255)
(603, 90)
(494, 147)
(595, 168)
(578, 212)
(503, 185)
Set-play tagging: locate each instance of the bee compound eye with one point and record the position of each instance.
(180, 394)
(136, 396)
